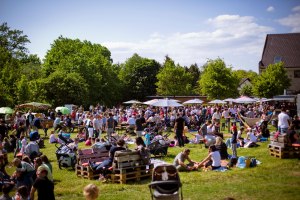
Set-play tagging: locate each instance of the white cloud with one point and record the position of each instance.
(270, 9)
(296, 9)
(292, 20)
(237, 39)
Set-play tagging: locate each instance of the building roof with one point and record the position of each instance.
(244, 80)
(284, 46)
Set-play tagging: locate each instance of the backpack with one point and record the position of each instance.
(145, 156)
(253, 162)
(232, 162)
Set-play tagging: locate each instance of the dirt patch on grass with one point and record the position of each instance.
(295, 173)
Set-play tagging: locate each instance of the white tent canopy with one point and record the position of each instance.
(244, 99)
(229, 99)
(150, 102)
(217, 101)
(193, 101)
(132, 102)
(166, 103)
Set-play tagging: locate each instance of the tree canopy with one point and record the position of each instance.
(272, 81)
(90, 61)
(173, 79)
(81, 72)
(138, 77)
(217, 81)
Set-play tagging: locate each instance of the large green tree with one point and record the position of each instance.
(217, 81)
(15, 66)
(90, 61)
(272, 81)
(173, 79)
(195, 73)
(138, 76)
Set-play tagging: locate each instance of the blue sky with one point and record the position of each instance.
(190, 31)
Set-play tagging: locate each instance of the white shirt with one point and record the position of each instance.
(52, 138)
(210, 129)
(283, 120)
(225, 114)
(131, 121)
(216, 115)
(96, 124)
(216, 158)
(252, 137)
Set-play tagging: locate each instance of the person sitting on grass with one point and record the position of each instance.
(180, 159)
(52, 138)
(91, 192)
(213, 159)
(221, 147)
(103, 167)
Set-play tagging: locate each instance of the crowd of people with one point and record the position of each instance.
(34, 172)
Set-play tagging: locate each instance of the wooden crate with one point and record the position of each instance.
(82, 168)
(129, 166)
(131, 173)
(284, 152)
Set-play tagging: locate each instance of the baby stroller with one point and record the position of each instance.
(66, 156)
(165, 183)
(159, 146)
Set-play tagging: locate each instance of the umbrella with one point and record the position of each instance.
(63, 110)
(150, 102)
(132, 102)
(229, 99)
(193, 101)
(217, 101)
(166, 103)
(244, 99)
(6, 110)
(34, 105)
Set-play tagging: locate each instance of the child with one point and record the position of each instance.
(91, 192)
(23, 143)
(81, 135)
(233, 130)
(147, 137)
(52, 138)
(88, 142)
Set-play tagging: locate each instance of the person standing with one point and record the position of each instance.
(178, 127)
(139, 126)
(283, 121)
(29, 121)
(43, 186)
(234, 139)
(110, 125)
(97, 126)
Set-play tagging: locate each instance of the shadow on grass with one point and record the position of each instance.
(55, 181)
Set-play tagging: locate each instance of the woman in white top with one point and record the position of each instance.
(213, 159)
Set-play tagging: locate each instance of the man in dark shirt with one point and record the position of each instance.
(110, 125)
(179, 126)
(3, 130)
(139, 126)
(43, 186)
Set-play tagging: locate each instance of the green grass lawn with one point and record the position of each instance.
(274, 179)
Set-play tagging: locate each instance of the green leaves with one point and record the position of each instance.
(173, 80)
(272, 81)
(217, 81)
(138, 77)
